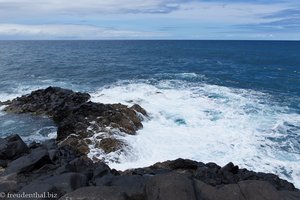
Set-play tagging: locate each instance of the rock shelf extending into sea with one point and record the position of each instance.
(78, 119)
(61, 167)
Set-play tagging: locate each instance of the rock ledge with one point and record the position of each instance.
(65, 174)
(78, 119)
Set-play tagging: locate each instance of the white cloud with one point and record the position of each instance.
(132, 18)
(27, 8)
(69, 31)
(230, 13)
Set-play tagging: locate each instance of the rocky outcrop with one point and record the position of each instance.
(62, 173)
(77, 118)
(51, 101)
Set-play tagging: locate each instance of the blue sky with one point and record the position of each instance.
(150, 19)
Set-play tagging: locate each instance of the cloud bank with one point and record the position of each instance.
(149, 19)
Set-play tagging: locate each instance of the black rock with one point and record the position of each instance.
(259, 190)
(77, 118)
(8, 183)
(48, 101)
(183, 164)
(3, 163)
(35, 160)
(170, 186)
(102, 115)
(41, 191)
(74, 175)
(12, 147)
(58, 184)
(101, 169)
(230, 168)
(226, 192)
(98, 193)
(5, 103)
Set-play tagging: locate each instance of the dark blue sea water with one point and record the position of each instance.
(215, 101)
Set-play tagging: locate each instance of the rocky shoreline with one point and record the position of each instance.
(66, 174)
(60, 169)
(78, 119)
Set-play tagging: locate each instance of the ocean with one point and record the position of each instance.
(210, 101)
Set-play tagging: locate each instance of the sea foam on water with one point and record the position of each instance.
(208, 123)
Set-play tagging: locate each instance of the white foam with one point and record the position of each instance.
(39, 136)
(1, 111)
(20, 89)
(207, 123)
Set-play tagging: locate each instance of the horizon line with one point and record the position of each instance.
(274, 40)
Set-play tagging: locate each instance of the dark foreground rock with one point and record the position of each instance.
(78, 119)
(12, 147)
(62, 173)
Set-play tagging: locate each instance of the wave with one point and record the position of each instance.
(207, 123)
(45, 133)
(1, 111)
(16, 89)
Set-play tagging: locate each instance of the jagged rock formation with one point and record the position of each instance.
(77, 118)
(65, 174)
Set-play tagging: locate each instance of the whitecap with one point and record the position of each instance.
(219, 124)
(45, 133)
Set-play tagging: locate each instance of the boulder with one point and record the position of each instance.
(35, 160)
(77, 143)
(139, 109)
(243, 190)
(182, 164)
(170, 186)
(58, 184)
(226, 192)
(109, 145)
(133, 185)
(81, 165)
(12, 147)
(100, 170)
(214, 175)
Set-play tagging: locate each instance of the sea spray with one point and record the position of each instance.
(208, 123)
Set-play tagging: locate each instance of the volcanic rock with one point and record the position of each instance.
(69, 175)
(77, 118)
(110, 145)
(35, 160)
(49, 101)
(12, 147)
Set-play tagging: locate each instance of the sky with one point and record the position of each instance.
(150, 19)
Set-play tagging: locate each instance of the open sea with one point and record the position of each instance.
(210, 101)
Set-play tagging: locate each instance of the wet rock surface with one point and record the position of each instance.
(77, 118)
(66, 174)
